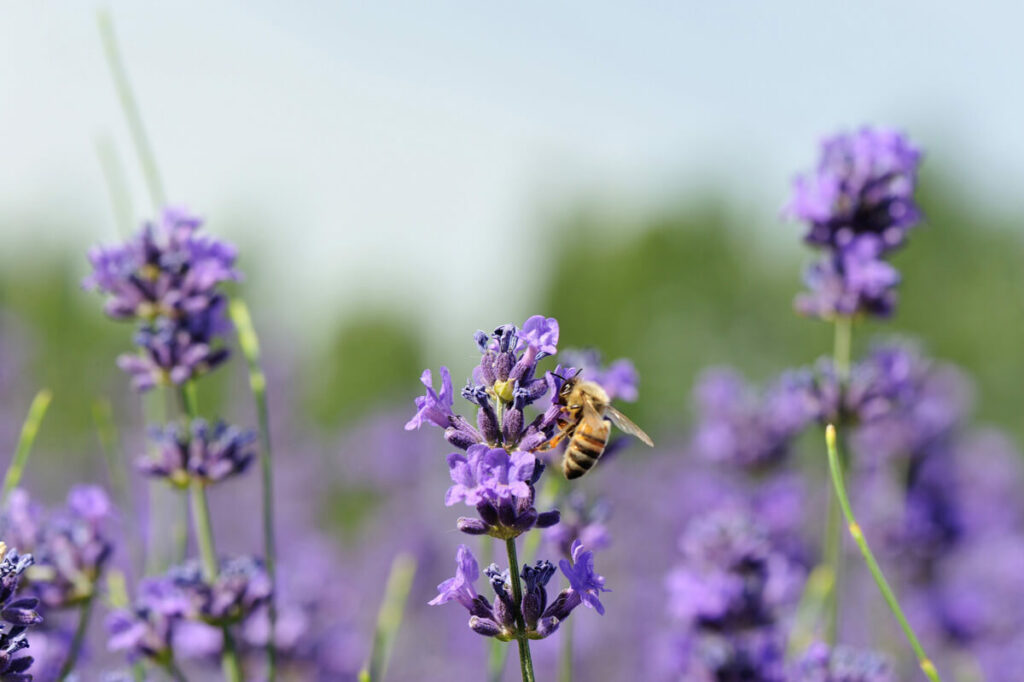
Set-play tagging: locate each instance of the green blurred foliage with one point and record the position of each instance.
(371, 361)
(698, 286)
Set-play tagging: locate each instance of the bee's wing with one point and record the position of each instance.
(627, 425)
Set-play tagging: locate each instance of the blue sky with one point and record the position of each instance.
(387, 150)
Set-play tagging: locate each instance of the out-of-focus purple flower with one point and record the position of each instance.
(727, 597)
(16, 616)
(209, 453)
(71, 547)
(583, 523)
(500, 486)
(739, 427)
(167, 277)
(583, 579)
(851, 281)
(146, 630)
(175, 351)
(864, 185)
(842, 664)
(241, 586)
(168, 269)
(619, 379)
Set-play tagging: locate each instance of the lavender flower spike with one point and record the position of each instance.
(864, 185)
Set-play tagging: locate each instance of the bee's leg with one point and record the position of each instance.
(555, 439)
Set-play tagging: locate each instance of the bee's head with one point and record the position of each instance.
(568, 383)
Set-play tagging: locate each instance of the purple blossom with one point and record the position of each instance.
(500, 486)
(146, 630)
(205, 452)
(583, 579)
(842, 664)
(17, 614)
(850, 281)
(168, 269)
(864, 185)
(241, 586)
(433, 407)
(461, 588)
(738, 426)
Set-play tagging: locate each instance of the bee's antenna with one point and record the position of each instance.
(558, 376)
(577, 372)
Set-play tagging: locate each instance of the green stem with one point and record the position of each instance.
(84, 612)
(833, 544)
(565, 667)
(29, 431)
(175, 672)
(203, 526)
(250, 344)
(113, 174)
(131, 109)
(869, 558)
(389, 618)
(525, 659)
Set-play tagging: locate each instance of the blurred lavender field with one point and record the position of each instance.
(723, 546)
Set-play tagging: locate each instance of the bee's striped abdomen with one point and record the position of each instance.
(585, 447)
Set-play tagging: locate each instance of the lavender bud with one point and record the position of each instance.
(548, 518)
(546, 627)
(472, 526)
(512, 426)
(484, 626)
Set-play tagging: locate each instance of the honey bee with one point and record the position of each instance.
(587, 423)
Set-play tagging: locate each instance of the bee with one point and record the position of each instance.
(587, 423)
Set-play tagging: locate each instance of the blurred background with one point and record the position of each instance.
(398, 175)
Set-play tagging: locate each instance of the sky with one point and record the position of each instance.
(408, 151)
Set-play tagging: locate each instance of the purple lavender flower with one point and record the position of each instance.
(71, 547)
(503, 385)
(16, 616)
(500, 486)
(168, 269)
(850, 281)
(727, 597)
(174, 351)
(584, 582)
(146, 630)
(167, 277)
(842, 664)
(739, 427)
(540, 615)
(864, 184)
(241, 586)
(859, 205)
(206, 453)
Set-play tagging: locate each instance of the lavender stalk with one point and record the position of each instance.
(131, 109)
(927, 667)
(250, 344)
(389, 618)
(525, 658)
(84, 614)
(29, 431)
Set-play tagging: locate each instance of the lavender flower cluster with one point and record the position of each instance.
(858, 205)
(498, 474)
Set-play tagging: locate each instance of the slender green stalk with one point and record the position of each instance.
(131, 109)
(203, 526)
(175, 672)
(389, 618)
(809, 610)
(927, 667)
(84, 612)
(29, 431)
(250, 344)
(117, 187)
(833, 545)
(525, 659)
